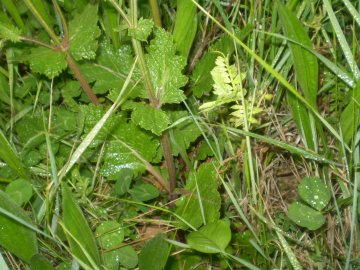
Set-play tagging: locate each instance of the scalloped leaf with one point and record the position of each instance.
(143, 29)
(47, 62)
(9, 32)
(203, 183)
(150, 118)
(165, 68)
(83, 33)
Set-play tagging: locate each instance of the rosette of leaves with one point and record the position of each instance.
(315, 195)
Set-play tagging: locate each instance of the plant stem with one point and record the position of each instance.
(165, 142)
(155, 12)
(78, 75)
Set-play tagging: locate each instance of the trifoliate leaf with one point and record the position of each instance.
(118, 156)
(143, 29)
(165, 68)
(184, 133)
(9, 32)
(149, 118)
(201, 189)
(109, 234)
(83, 32)
(47, 62)
(111, 70)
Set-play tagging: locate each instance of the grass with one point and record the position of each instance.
(301, 56)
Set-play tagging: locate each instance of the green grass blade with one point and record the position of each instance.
(185, 26)
(8, 154)
(288, 147)
(305, 64)
(354, 13)
(15, 14)
(14, 236)
(277, 75)
(81, 235)
(342, 40)
(306, 70)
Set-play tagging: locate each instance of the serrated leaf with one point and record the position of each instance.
(203, 183)
(184, 133)
(111, 70)
(154, 254)
(9, 32)
(211, 238)
(15, 237)
(118, 156)
(144, 192)
(83, 33)
(305, 216)
(47, 62)
(165, 68)
(76, 224)
(142, 30)
(150, 118)
(314, 192)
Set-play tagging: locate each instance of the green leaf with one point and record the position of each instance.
(211, 238)
(350, 117)
(306, 70)
(314, 192)
(154, 254)
(144, 192)
(81, 234)
(149, 118)
(110, 234)
(118, 156)
(183, 133)
(305, 216)
(128, 257)
(201, 200)
(20, 191)
(10, 32)
(15, 237)
(185, 26)
(40, 262)
(83, 33)
(47, 62)
(8, 154)
(110, 71)
(142, 30)
(165, 68)
(122, 185)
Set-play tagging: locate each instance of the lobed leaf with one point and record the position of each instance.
(165, 68)
(142, 30)
(46, 61)
(9, 32)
